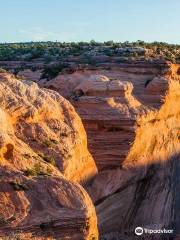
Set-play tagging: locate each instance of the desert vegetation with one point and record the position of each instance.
(51, 51)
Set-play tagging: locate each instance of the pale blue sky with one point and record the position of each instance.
(83, 20)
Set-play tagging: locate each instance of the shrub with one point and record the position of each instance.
(52, 71)
(27, 155)
(64, 134)
(50, 143)
(19, 186)
(2, 70)
(54, 141)
(37, 170)
(48, 171)
(3, 220)
(50, 160)
(11, 237)
(30, 172)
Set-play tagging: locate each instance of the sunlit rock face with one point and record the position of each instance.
(43, 156)
(109, 113)
(109, 102)
(41, 123)
(140, 74)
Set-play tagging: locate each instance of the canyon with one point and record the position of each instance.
(92, 153)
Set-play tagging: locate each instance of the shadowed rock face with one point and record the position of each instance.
(149, 200)
(147, 186)
(43, 147)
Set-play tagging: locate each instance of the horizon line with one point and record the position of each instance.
(92, 40)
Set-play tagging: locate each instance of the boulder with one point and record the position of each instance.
(42, 126)
(43, 154)
(48, 207)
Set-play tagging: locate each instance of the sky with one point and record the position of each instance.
(84, 20)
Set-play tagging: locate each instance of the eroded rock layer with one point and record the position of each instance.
(140, 74)
(109, 114)
(109, 101)
(43, 147)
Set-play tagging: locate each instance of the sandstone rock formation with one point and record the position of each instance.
(39, 123)
(109, 112)
(46, 207)
(43, 147)
(131, 115)
(109, 99)
(139, 74)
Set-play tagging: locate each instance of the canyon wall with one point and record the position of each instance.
(109, 101)
(145, 191)
(131, 115)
